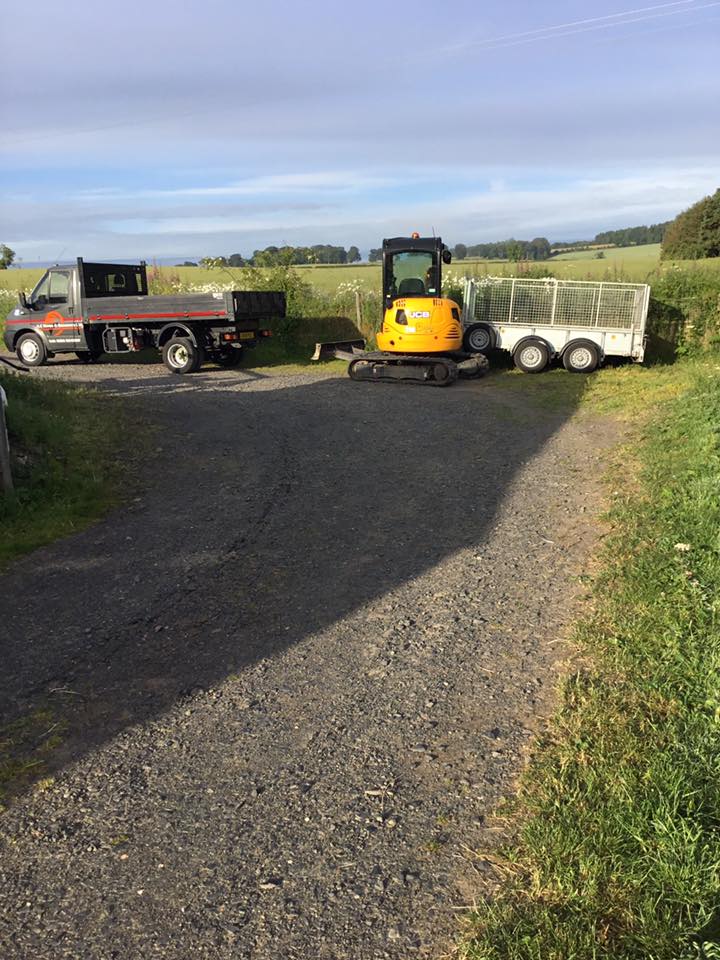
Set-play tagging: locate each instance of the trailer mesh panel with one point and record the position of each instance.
(575, 303)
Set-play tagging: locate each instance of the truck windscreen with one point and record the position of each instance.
(113, 280)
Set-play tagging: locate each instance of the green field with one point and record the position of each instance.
(633, 264)
(649, 252)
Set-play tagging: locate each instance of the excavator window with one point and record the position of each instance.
(414, 273)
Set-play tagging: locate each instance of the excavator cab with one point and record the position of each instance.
(420, 339)
(417, 318)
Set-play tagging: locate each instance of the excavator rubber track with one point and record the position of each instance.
(433, 371)
(392, 367)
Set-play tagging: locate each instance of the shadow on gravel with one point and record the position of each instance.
(268, 511)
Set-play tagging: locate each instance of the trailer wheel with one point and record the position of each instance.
(479, 338)
(31, 350)
(229, 358)
(582, 356)
(532, 356)
(180, 355)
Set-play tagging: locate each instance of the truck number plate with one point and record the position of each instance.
(246, 335)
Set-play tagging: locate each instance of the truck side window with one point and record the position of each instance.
(41, 293)
(59, 286)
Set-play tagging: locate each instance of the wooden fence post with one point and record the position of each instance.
(6, 480)
(358, 309)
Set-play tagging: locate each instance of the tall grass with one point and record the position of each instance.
(63, 444)
(618, 855)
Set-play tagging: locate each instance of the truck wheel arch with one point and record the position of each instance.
(16, 334)
(176, 329)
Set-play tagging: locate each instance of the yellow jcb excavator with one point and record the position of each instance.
(421, 337)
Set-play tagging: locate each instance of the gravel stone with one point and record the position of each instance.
(307, 657)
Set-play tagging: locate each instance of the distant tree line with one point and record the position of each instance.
(695, 233)
(289, 256)
(537, 249)
(627, 237)
(634, 236)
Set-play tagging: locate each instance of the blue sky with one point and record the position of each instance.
(158, 129)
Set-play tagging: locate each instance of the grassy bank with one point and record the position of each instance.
(63, 443)
(618, 855)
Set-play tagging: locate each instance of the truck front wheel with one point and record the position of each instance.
(31, 350)
(180, 355)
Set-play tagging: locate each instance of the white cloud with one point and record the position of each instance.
(319, 182)
(576, 208)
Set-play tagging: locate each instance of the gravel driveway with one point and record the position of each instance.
(298, 669)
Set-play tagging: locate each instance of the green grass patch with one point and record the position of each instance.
(26, 746)
(64, 442)
(618, 848)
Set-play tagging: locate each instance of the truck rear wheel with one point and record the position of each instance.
(181, 355)
(532, 356)
(31, 350)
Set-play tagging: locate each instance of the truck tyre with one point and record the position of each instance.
(479, 338)
(180, 355)
(531, 356)
(88, 356)
(31, 350)
(230, 358)
(581, 356)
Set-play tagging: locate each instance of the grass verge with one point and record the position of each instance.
(63, 443)
(618, 849)
(26, 745)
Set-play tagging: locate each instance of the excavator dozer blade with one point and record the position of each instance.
(339, 349)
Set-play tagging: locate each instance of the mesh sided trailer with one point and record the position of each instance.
(610, 315)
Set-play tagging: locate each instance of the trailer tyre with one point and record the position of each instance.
(582, 356)
(479, 338)
(531, 356)
(31, 350)
(180, 355)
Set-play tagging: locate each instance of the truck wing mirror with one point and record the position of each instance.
(447, 256)
(23, 299)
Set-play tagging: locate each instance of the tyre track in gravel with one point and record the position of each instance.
(309, 678)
